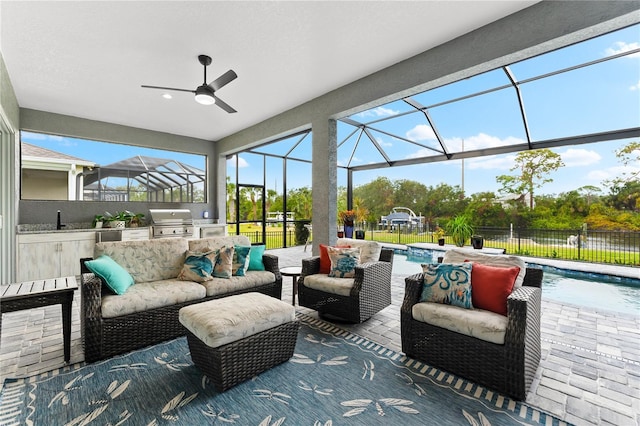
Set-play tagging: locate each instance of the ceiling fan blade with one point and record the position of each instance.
(168, 88)
(222, 104)
(223, 80)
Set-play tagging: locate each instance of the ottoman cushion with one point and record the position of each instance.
(222, 321)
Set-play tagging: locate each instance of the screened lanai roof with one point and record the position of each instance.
(555, 99)
(154, 173)
(559, 98)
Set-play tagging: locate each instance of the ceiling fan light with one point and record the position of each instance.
(204, 96)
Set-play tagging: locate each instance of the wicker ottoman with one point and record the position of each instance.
(235, 338)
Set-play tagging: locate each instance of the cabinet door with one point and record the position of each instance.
(38, 261)
(70, 254)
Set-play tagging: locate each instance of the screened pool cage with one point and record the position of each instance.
(142, 178)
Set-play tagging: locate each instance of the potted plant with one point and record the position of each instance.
(98, 220)
(119, 220)
(134, 219)
(477, 241)
(439, 234)
(347, 217)
(460, 229)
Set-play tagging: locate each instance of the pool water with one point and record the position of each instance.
(596, 291)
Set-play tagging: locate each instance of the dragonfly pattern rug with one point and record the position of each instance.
(334, 378)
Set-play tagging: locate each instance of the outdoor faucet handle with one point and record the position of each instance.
(59, 224)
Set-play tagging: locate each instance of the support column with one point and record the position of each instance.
(324, 182)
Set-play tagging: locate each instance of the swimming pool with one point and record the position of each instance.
(592, 290)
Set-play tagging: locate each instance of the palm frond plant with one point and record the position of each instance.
(460, 229)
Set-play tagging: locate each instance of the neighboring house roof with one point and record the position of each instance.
(43, 154)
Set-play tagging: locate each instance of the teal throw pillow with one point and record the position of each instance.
(447, 283)
(241, 260)
(113, 275)
(198, 267)
(255, 258)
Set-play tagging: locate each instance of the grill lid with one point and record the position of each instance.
(171, 216)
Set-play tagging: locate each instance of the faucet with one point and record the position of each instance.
(59, 224)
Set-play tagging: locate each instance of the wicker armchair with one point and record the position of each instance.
(508, 368)
(370, 293)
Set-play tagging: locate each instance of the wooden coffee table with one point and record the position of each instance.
(292, 271)
(35, 294)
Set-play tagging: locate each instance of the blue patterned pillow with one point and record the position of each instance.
(223, 268)
(198, 267)
(240, 260)
(343, 261)
(448, 283)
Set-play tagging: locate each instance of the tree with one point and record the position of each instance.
(535, 167)
(378, 196)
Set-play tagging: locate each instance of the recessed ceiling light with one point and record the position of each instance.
(167, 96)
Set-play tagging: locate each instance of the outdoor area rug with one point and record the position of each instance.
(334, 378)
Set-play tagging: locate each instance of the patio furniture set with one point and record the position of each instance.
(237, 326)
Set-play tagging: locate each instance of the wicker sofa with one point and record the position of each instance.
(349, 299)
(147, 313)
(509, 367)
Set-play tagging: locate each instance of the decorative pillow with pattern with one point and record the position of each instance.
(223, 268)
(343, 261)
(240, 260)
(198, 267)
(447, 283)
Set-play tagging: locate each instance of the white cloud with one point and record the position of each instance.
(378, 112)
(421, 132)
(574, 157)
(621, 47)
(481, 141)
(383, 143)
(231, 162)
(496, 162)
(635, 86)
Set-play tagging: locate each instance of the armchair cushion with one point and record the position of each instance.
(458, 255)
(447, 283)
(478, 323)
(323, 282)
(343, 261)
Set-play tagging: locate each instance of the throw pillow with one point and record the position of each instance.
(223, 268)
(255, 258)
(112, 274)
(343, 261)
(241, 260)
(325, 262)
(491, 285)
(198, 267)
(458, 255)
(447, 283)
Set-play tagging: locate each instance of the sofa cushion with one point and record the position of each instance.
(458, 255)
(148, 260)
(448, 283)
(144, 296)
(343, 261)
(113, 275)
(334, 285)
(198, 267)
(369, 250)
(223, 268)
(216, 243)
(478, 323)
(222, 321)
(491, 286)
(250, 280)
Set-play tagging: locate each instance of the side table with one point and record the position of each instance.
(292, 271)
(35, 294)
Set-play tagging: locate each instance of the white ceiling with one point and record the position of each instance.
(88, 59)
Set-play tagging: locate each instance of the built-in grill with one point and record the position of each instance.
(168, 223)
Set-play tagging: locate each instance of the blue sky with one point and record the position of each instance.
(605, 96)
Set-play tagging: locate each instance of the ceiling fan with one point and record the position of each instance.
(205, 94)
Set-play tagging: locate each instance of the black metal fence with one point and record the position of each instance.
(617, 247)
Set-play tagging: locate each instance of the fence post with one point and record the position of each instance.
(579, 242)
